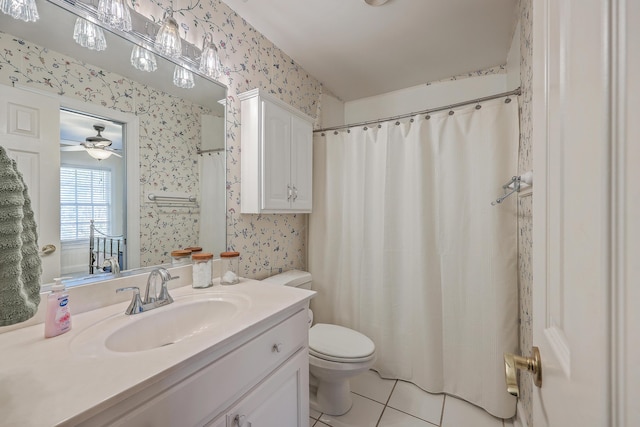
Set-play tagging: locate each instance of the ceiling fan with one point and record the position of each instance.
(97, 146)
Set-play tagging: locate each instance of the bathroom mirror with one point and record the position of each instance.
(180, 139)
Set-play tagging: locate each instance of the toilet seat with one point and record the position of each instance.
(339, 344)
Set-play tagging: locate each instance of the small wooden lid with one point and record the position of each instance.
(202, 256)
(229, 254)
(180, 253)
(193, 249)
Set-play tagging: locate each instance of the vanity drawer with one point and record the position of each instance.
(207, 393)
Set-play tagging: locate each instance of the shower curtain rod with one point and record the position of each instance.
(516, 92)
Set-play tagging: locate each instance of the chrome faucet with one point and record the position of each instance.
(163, 298)
(152, 299)
(114, 264)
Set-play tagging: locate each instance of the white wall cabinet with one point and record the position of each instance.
(277, 156)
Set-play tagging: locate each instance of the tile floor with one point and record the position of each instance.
(385, 403)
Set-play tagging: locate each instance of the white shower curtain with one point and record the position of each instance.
(405, 246)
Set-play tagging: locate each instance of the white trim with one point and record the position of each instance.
(277, 101)
(618, 203)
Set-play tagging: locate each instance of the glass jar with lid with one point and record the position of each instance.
(180, 257)
(202, 269)
(229, 268)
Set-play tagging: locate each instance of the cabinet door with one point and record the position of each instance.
(281, 400)
(276, 157)
(301, 163)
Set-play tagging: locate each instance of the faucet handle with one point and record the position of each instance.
(136, 303)
(164, 296)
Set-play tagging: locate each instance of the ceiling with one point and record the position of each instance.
(357, 50)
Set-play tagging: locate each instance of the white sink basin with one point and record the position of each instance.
(161, 327)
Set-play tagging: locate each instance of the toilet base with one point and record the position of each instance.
(331, 398)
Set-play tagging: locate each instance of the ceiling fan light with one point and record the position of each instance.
(99, 153)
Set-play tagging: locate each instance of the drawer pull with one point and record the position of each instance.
(276, 348)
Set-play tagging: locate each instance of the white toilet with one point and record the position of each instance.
(336, 354)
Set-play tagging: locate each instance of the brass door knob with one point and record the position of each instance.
(513, 362)
(47, 249)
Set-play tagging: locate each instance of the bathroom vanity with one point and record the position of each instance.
(222, 356)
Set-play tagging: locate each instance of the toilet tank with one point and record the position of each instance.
(295, 278)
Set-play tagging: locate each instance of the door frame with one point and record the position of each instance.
(625, 213)
(132, 160)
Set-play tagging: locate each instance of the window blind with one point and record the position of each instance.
(85, 194)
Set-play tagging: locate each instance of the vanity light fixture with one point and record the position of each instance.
(142, 59)
(168, 40)
(115, 13)
(89, 35)
(209, 60)
(183, 78)
(25, 10)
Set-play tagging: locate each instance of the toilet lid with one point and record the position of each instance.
(336, 342)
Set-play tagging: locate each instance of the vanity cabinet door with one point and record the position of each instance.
(281, 400)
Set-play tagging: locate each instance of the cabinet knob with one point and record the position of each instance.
(277, 347)
(289, 192)
(295, 193)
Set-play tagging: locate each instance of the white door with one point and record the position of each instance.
(582, 215)
(29, 131)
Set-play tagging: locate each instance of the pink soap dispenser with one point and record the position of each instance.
(58, 317)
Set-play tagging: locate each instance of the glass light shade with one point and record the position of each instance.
(25, 10)
(143, 60)
(114, 13)
(209, 61)
(89, 35)
(168, 40)
(183, 78)
(99, 153)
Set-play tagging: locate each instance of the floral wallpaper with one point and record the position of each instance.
(267, 243)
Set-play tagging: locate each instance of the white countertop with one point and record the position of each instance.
(46, 382)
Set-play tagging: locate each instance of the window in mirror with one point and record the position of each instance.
(85, 195)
